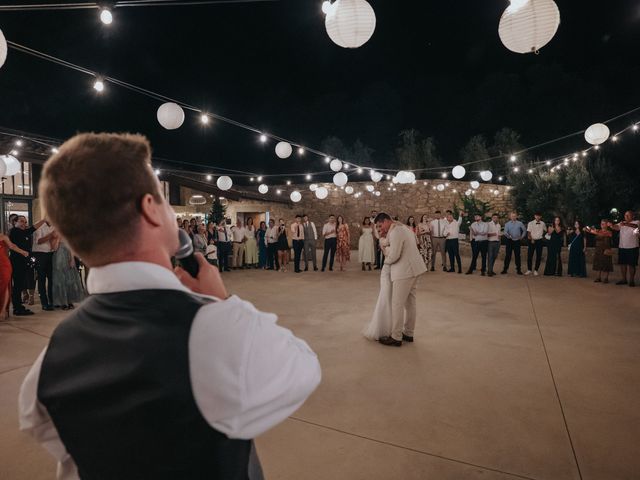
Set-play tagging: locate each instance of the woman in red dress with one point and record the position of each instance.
(6, 271)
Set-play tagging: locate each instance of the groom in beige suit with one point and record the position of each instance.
(406, 266)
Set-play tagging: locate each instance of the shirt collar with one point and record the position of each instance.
(127, 276)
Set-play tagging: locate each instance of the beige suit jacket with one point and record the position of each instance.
(402, 254)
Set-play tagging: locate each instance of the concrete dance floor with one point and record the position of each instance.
(510, 377)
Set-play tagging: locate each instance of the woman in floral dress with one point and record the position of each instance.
(423, 234)
(343, 249)
(603, 255)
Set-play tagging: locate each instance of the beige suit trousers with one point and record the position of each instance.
(238, 255)
(403, 307)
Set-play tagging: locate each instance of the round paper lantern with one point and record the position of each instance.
(321, 193)
(224, 183)
(340, 179)
(313, 187)
(349, 189)
(350, 23)
(440, 188)
(458, 172)
(335, 165)
(263, 189)
(468, 192)
(528, 25)
(283, 150)
(170, 115)
(410, 177)
(3, 166)
(3, 49)
(197, 200)
(597, 133)
(486, 175)
(370, 188)
(11, 165)
(475, 184)
(375, 176)
(295, 196)
(377, 193)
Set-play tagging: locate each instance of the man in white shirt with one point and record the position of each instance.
(494, 231)
(330, 242)
(271, 238)
(310, 238)
(479, 231)
(438, 240)
(239, 238)
(536, 229)
(43, 254)
(157, 374)
(297, 242)
(452, 245)
(628, 248)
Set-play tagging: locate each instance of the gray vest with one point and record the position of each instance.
(308, 233)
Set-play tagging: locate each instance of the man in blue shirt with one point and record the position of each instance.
(514, 232)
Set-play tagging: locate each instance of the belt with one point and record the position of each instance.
(237, 242)
(438, 237)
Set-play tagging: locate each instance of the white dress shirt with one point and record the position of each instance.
(479, 231)
(628, 239)
(247, 373)
(494, 228)
(537, 229)
(329, 230)
(297, 231)
(452, 229)
(437, 227)
(272, 235)
(43, 231)
(238, 234)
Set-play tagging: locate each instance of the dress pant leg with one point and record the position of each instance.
(475, 250)
(49, 273)
(332, 247)
(19, 268)
(400, 292)
(313, 254)
(516, 254)
(456, 248)
(530, 250)
(410, 311)
(448, 248)
(325, 253)
(507, 255)
(376, 246)
(484, 251)
(539, 248)
(494, 249)
(41, 271)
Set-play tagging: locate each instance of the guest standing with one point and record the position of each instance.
(452, 244)
(628, 248)
(261, 239)
(310, 238)
(20, 236)
(251, 246)
(494, 232)
(603, 254)
(343, 248)
(438, 240)
(297, 241)
(239, 239)
(536, 230)
(67, 289)
(200, 240)
(329, 232)
(376, 239)
(514, 232)
(6, 270)
(272, 246)
(366, 244)
(223, 243)
(479, 234)
(283, 246)
(424, 239)
(577, 252)
(556, 236)
(411, 223)
(43, 253)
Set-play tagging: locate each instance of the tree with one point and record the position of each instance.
(506, 142)
(415, 152)
(218, 211)
(476, 153)
(471, 207)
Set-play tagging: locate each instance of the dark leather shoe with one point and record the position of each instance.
(390, 342)
(22, 313)
(520, 272)
(451, 270)
(48, 308)
(315, 269)
(469, 272)
(503, 272)
(433, 269)
(406, 338)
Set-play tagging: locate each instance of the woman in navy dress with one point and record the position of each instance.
(262, 245)
(577, 251)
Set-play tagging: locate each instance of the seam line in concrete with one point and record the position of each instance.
(553, 380)
(415, 450)
(11, 324)
(16, 368)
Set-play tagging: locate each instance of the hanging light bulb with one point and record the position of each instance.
(260, 179)
(307, 177)
(635, 127)
(288, 182)
(106, 16)
(19, 143)
(209, 177)
(263, 138)
(300, 151)
(54, 150)
(157, 171)
(204, 118)
(327, 160)
(512, 158)
(98, 85)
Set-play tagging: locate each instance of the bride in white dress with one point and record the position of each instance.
(380, 324)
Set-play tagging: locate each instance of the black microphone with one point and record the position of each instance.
(185, 254)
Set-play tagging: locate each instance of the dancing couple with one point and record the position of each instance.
(394, 317)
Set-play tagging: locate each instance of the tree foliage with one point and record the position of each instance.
(416, 152)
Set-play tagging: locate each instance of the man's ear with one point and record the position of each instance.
(151, 210)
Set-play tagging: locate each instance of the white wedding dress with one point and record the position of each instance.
(380, 324)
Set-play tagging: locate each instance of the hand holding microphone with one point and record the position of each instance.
(196, 273)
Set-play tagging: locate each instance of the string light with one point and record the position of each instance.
(252, 179)
(307, 177)
(444, 175)
(516, 169)
(359, 170)
(106, 16)
(548, 162)
(288, 182)
(300, 151)
(584, 154)
(54, 150)
(263, 138)
(260, 178)
(500, 179)
(157, 171)
(513, 158)
(18, 143)
(596, 147)
(98, 85)
(635, 127)
(278, 192)
(204, 118)
(614, 138)
(15, 153)
(209, 177)
(327, 160)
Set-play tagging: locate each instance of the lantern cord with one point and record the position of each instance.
(164, 98)
(126, 3)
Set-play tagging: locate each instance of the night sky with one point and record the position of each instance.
(437, 66)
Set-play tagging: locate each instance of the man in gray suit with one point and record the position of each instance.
(407, 265)
(310, 237)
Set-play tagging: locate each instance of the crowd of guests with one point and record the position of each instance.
(268, 246)
(33, 256)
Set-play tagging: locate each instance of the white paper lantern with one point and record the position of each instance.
(486, 175)
(528, 25)
(597, 134)
(349, 189)
(197, 200)
(474, 184)
(468, 192)
(3, 166)
(375, 176)
(283, 150)
(411, 177)
(321, 193)
(335, 165)
(3, 49)
(340, 179)
(440, 188)
(377, 193)
(224, 183)
(313, 187)
(170, 115)
(370, 188)
(11, 165)
(350, 23)
(263, 189)
(458, 172)
(295, 196)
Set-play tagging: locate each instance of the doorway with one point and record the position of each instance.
(17, 205)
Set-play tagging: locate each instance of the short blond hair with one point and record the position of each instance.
(92, 188)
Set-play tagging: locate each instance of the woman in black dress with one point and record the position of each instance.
(283, 246)
(577, 252)
(555, 241)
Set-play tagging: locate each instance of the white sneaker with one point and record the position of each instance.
(535, 273)
(528, 272)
